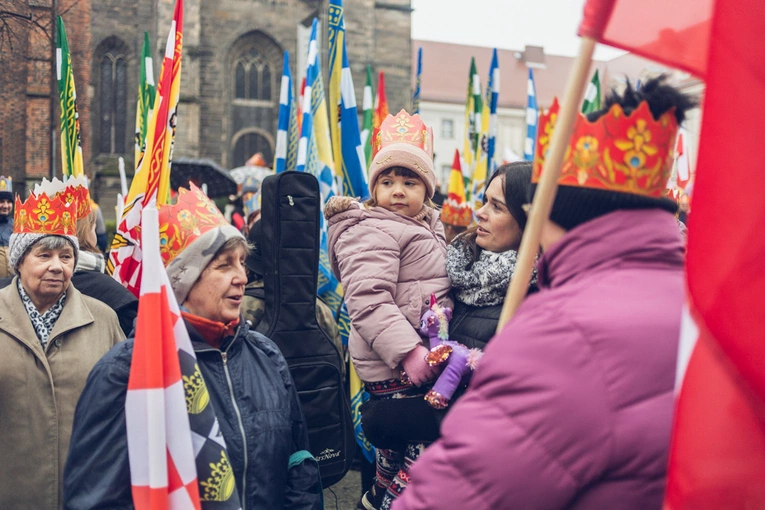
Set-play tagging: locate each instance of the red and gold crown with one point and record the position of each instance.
(618, 152)
(41, 214)
(73, 190)
(403, 128)
(185, 221)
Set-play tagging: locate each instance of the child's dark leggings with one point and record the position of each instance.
(392, 466)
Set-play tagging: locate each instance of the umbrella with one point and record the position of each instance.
(240, 174)
(202, 171)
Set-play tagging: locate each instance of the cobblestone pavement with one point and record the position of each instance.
(346, 493)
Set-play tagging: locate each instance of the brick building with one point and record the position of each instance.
(28, 92)
(232, 61)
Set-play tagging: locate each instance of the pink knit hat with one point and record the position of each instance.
(403, 141)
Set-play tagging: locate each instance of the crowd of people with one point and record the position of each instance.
(569, 406)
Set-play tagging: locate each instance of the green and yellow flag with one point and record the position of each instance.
(146, 93)
(473, 123)
(71, 143)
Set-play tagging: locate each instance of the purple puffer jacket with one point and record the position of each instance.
(389, 265)
(571, 406)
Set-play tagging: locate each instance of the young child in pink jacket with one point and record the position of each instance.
(390, 255)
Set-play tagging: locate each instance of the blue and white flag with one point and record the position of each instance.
(492, 98)
(348, 153)
(287, 135)
(416, 96)
(532, 115)
(314, 154)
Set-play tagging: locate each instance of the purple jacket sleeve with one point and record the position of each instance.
(368, 260)
(530, 431)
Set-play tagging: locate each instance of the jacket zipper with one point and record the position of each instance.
(224, 356)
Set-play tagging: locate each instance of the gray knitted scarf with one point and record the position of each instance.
(483, 282)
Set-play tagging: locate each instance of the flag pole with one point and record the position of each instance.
(548, 182)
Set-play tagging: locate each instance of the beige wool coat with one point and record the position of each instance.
(39, 391)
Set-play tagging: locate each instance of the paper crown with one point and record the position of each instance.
(403, 128)
(41, 214)
(618, 152)
(6, 184)
(456, 210)
(71, 190)
(186, 221)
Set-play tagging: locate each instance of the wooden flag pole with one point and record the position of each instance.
(548, 182)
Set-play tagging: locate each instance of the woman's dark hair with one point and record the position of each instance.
(660, 96)
(516, 180)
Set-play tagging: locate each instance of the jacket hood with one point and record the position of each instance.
(343, 213)
(642, 237)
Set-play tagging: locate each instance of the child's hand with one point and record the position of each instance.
(417, 369)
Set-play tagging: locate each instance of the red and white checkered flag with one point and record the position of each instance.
(162, 459)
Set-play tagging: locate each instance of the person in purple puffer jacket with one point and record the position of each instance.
(571, 406)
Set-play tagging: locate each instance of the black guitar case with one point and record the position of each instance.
(290, 209)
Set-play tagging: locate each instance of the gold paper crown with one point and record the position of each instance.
(618, 152)
(71, 190)
(44, 215)
(403, 128)
(6, 183)
(185, 221)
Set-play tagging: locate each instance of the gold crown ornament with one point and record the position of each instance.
(403, 128)
(618, 152)
(196, 393)
(72, 190)
(220, 485)
(185, 221)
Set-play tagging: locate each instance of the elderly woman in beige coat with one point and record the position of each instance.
(50, 338)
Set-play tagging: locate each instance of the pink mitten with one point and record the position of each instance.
(417, 369)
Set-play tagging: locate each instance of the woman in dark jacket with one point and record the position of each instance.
(480, 263)
(248, 384)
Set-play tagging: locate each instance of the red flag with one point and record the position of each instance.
(673, 32)
(717, 458)
(300, 106)
(381, 106)
(152, 178)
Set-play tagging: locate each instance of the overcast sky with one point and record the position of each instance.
(506, 24)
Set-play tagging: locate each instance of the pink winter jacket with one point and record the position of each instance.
(389, 265)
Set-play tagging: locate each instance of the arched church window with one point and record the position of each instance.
(112, 97)
(252, 76)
